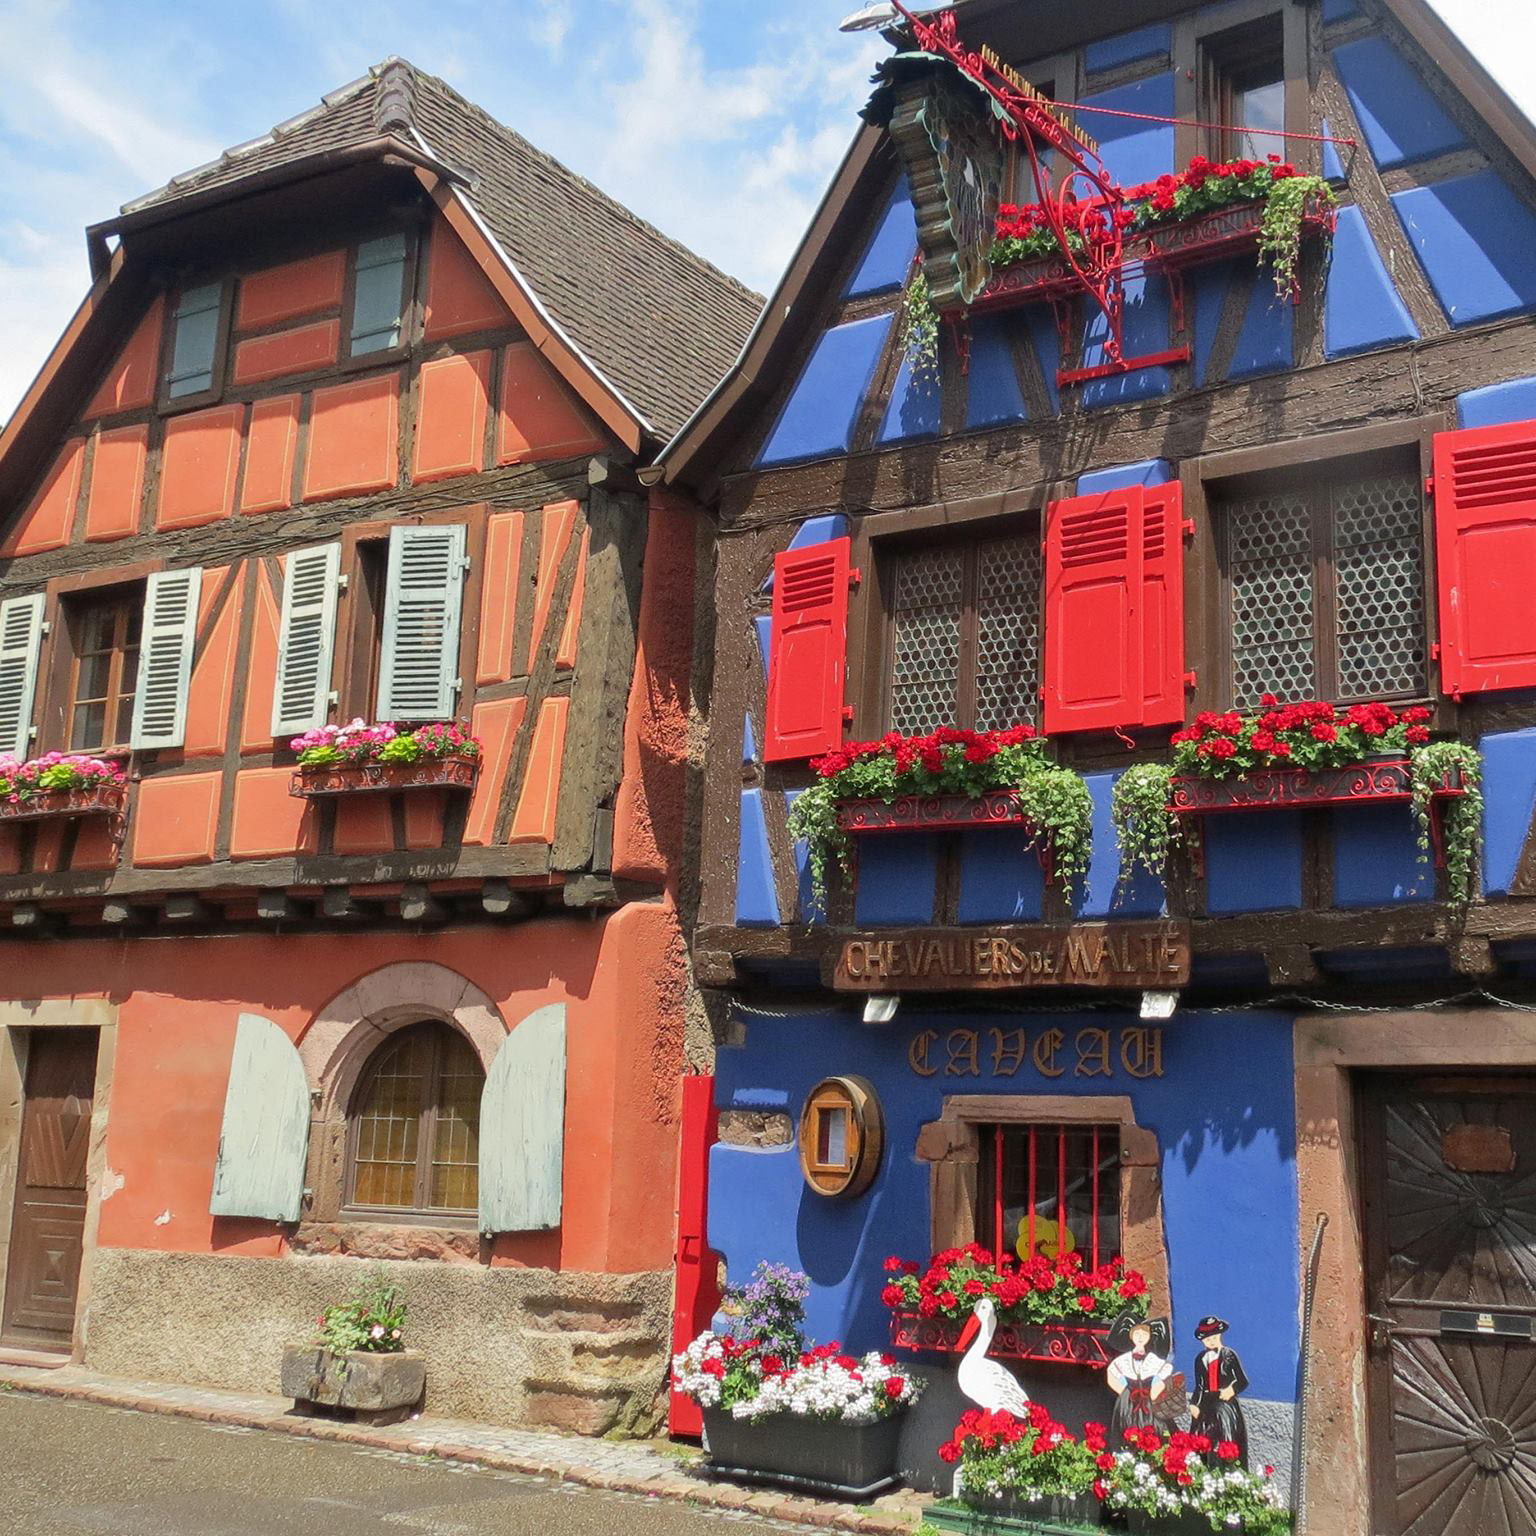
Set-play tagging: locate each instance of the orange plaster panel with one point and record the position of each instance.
(213, 671)
(498, 596)
(198, 465)
(131, 381)
(97, 843)
(353, 437)
(424, 818)
(270, 446)
(364, 824)
(261, 676)
(539, 417)
(177, 819)
(268, 822)
(534, 820)
(554, 536)
(296, 288)
(296, 351)
(566, 655)
(495, 725)
(453, 400)
(459, 296)
(117, 484)
(10, 850)
(49, 520)
(48, 849)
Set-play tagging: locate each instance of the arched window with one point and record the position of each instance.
(414, 1131)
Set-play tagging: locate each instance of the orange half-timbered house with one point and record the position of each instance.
(348, 428)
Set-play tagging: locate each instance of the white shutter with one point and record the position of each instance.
(302, 696)
(522, 1127)
(165, 658)
(264, 1141)
(419, 670)
(21, 643)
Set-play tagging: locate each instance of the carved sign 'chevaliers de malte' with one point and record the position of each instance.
(1080, 955)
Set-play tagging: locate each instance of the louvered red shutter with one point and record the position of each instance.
(1162, 610)
(1485, 539)
(808, 652)
(1114, 610)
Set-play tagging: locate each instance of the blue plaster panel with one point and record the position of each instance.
(1253, 863)
(913, 410)
(1134, 151)
(1223, 1113)
(1040, 322)
(763, 625)
(1210, 286)
(808, 911)
(1498, 404)
(994, 396)
(897, 872)
(1376, 857)
(1000, 880)
(1147, 322)
(1477, 241)
(1396, 110)
(1333, 166)
(757, 904)
(1339, 10)
(1143, 895)
(814, 530)
(819, 416)
(1127, 48)
(1266, 342)
(888, 256)
(748, 742)
(1147, 472)
(1361, 309)
(1509, 792)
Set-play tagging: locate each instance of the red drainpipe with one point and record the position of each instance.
(696, 1294)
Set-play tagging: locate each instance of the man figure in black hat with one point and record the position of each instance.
(1214, 1409)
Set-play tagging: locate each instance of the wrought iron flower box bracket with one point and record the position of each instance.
(312, 783)
(1048, 1343)
(94, 800)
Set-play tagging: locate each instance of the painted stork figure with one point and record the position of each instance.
(988, 1384)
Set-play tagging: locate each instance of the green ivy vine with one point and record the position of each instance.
(920, 330)
(1461, 818)
(1144, 827)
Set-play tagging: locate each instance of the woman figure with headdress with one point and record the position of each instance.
(1147, 1393)
(1214, 1408)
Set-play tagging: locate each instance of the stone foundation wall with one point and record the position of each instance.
(581, 1352)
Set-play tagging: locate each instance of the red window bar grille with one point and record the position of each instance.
(1051, 1189)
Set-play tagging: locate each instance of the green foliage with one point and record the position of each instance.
(1285, 207)
(1144, 827)
(372, 1321)
(1461, 826)
(920, 330)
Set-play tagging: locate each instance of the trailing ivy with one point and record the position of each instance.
(1461, 819)
(1285, 209)
(1144, 827)
(920, 330)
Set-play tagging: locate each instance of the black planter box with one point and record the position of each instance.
(1191, 1524)
(1048, 1517)
(850, 1461)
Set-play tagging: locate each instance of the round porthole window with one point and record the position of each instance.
(842, 1133)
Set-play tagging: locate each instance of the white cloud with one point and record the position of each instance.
(1502, 34)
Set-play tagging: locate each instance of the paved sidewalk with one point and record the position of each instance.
(656, 1469)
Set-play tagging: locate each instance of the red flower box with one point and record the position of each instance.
(943, 813)
(93, 800)
(1051, 1343)
(315, 782)
(1379, 781)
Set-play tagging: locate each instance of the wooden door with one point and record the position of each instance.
(48, 1225)
(1450, 1204)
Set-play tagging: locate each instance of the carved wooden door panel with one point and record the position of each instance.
(48, 1224)
(1450, 1204)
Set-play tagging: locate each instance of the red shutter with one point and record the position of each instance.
(1162, 614)
(1485, 540)
(1114, 610)
(808, 652)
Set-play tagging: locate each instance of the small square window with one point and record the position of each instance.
(1242, 77)
(1050, 1190)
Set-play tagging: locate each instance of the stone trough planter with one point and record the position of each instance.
(848, 1461)
(363, 1387)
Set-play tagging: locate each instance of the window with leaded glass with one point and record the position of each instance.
(1324, 589)
(414, 1133)
(964, 635)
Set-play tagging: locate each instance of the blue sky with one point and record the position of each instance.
(719, 120)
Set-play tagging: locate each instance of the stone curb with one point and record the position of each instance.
(663, 1483)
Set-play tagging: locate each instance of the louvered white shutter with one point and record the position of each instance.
(264, 1141)
(165, 658)
(419, 671)
(21, 643)
(302, 696)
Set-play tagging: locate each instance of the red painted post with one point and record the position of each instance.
(696, 1290)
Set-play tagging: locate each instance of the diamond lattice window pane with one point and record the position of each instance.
(1007, 633)
(1379, 560)
(928, 605)
(1269, 548)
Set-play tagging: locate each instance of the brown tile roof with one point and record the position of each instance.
(659, 323)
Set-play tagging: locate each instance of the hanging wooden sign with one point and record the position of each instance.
(1124, 955)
